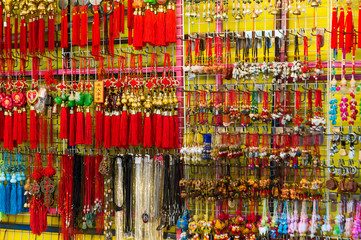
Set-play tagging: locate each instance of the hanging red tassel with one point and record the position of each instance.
(165, 132)
(41, 35)
(1, 30)
(79, 127)
(171, 131)
(124, 128)
(16, 32)
(41, 128)
(133, 128)
(84, 26)
(176, 130)
(341, 27)
(76, 26)
(160, 30)
(140, 126)
(8, 36)
(147, 136)
(23, 36)
(96, 32)
(72, 126)
(107, 126)
(51, 32)
(15, 125)
(130, 21)
(99, 118)
(112, 27)
(64, 132)
(19, 128)
(35, 35)
(359, 28)
(334, 29)
(31, 32)
(88, 139)
(121, 15)
(147, 33)
(51, 132)
(158, 130)
(116, 19)
(138, 30)
(6, 130)
(170, 24)
(25, 125)
(349, 35)
(115, 130)
(2, 125)
(64, 28)
(45, 133)
(33, 133)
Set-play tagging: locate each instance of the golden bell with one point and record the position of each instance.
(41, 7)
(51, 8)
(297, 12)
(254, 15)
(238, 17)
(314, 3)
(32, 8)
(209, 19)
(274, 11)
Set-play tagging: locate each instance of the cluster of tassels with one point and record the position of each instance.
(12, 177)
(342, 30)
(155, 25)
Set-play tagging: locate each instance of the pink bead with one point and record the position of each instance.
(338, 88)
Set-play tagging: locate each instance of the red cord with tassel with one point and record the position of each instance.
(121, 15)
(41, 128)
(133, 128)
(15, 125)
(20, 137)
(112, 30)
(33, 131)
(96, 32)
(123, 133)
(170, 24)
(25, 124)
(130, 21)
(334, 29)
(76, 26)
(138, 29)
(99, 123)
(41, 34)
(359, 28)
(31, 32)
(147, 33)
(158, 130)
(165, 131)
(23, 36)
(349, 35)
(64, 28)
(176, 130)
(51, 32)
(171, 131)
(160, 29)
(64, 130)
(107, 127)
(88, 135)
(116, 19)
(79, 126)
(1, 30)
(35, 35)
(72, 126)
(341, 27)
(9, 132)
(115, 141)
(16, 32)
(84, 26)
(8, 39)
(147, 135)
(2, 125)
(45, 133)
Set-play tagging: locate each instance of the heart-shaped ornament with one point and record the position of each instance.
(17, 97)
(32, 96)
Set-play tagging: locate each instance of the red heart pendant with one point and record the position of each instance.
(32, 96)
